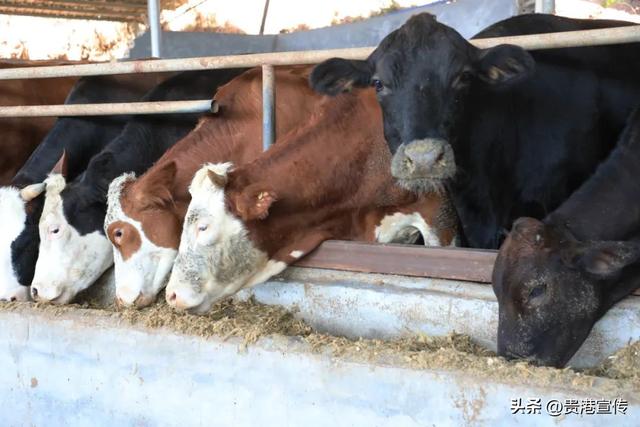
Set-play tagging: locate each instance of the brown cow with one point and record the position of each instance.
(144, 216)
(327, 179)
(21, 135)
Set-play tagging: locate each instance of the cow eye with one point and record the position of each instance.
(377, 84)
(203, 227)
(537, 291)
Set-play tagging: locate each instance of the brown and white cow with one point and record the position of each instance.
(327, 179)
(145, 215)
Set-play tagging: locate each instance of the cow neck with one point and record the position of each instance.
(600, 208)
(321, 181)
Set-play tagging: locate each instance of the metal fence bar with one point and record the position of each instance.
(106, 109)
(153, 17)
(597, 37)
(545, 6)
(268, 107)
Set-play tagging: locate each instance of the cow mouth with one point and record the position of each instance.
(423, 184)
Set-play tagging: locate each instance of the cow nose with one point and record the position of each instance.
(423, 155)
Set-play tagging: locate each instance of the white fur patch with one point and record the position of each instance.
(145, 272)
(216, 258)
(201, 179)
(402, 228)
(68, 262)
(12, 218)
(296, 254)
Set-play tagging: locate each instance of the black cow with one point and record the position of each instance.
(73, 248)
(81, 137)
(518, 131)
(554, 279)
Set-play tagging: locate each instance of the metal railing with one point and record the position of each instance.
(628, 34)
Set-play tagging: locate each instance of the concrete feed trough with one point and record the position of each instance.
(78, 366)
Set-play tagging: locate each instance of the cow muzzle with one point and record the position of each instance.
(423, 165)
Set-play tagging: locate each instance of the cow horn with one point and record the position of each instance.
(219, 180)
(61, 166)
(32, 191)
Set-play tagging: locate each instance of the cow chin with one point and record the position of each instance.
(207, 274)
(423, 166)
(143, 275)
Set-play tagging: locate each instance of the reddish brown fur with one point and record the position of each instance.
(159, 198)
(125, 238)
(329, 178)
(21, 135)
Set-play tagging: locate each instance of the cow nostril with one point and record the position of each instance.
(12, 299)
(409, 165)
(34, 292)
(172, 296)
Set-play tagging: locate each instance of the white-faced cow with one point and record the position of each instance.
(555, 278)
(81, 137)
(145, 215)
(327, 179)
(511, 133)
(73, 249)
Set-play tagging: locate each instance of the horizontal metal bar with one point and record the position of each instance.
(536, 41)
(107, 109)
(471, 265)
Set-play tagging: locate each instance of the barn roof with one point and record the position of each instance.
(110, 10)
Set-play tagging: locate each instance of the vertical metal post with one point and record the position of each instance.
(546, 6)
(268, 107)
(153, 12)
(264, 16)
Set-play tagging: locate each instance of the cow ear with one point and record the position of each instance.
(254, 202)
(337, 75)
(61, 167)
(156, 190)
(505, 64)
(608, 258)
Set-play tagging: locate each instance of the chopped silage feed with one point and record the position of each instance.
(250, 321)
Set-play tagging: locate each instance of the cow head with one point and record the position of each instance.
(18, 241)
(73, 251)
(422, 73)
(551, 289)
(144, 229)
(216, 257)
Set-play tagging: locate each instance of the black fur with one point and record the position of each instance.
(524, 135)
(581, 259)
(82, 138)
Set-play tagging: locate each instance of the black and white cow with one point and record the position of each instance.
(81, 138)
(511, 133)
(74, 251)
(555, 278)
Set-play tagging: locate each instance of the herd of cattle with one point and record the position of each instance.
(428, 140)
